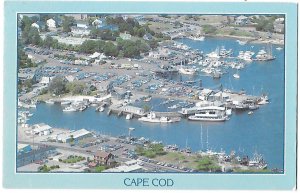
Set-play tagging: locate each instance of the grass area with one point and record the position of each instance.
(99, 168)
(152, 151)
(73, 159)
(233, 32)
(46, 168)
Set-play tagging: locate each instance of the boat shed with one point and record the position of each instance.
(41, 129)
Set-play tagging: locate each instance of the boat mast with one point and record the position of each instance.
(201, 138)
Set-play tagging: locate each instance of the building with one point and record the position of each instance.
(73, 136)
(35, 25)
(24, 148)
(51, 23)
(104, 158)
(129, 166)
(278, 28)
(41, 129)
(38, 154)
(242, 20)
(80, 31)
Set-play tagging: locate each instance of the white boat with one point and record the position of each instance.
(50, 101)
(101, 109)
(236, 76)
(279, 48)
(211, 113)
(214, 54)
(263, 100)
(128, 116)
(151, 117)
(250, 112)
(187, 71)
(65, 102)
(262, 55)
(69, 109)
(241, 42)
(200, 38)
(253, 107)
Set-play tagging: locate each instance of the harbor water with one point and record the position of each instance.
(261, 132)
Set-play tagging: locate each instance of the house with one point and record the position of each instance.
(80, 31)
(125, 36)
(77, 16)
(241, 20)
(70, 78)
(147, 37)
(51, 23)
(45, 80)
(103, 158)
(99, 22)
(82, 25)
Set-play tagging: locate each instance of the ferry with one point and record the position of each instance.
(151, 117)
(210, 113)
(208, 116)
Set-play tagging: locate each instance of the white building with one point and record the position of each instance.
(35, 25)
(76, 135)
(41, 129)
(51, 23)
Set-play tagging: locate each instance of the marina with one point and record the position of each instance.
(188, 87)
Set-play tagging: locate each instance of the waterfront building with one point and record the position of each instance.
(41, 129)
(74, 135)
(24, 148)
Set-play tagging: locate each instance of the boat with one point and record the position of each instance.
(199, 38)
(69, 109)
(236, 76)
(82, 108)
(128, 116)
(262, 55)
(279, 48)
(101, 109)
(50, 101)
(257, 161)
(250, 112)
(225, 53)
(214, 54)
(210, 113)
(263, 100)
(65, 102)
(187, 71)
(151, 117)
(241, 42)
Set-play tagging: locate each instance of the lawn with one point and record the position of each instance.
(73, 159)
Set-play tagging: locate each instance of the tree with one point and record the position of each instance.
(110, 49)
(57, 86)
(48, 42)
(67, 22)
(209, 29)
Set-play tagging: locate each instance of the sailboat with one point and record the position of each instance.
(262, 55)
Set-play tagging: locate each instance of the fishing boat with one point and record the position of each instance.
(151, 117)
(225, 53)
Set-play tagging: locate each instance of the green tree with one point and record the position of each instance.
(57, 86)
(67, 22)
(209, 29)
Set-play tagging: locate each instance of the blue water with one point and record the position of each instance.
(262, 132)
